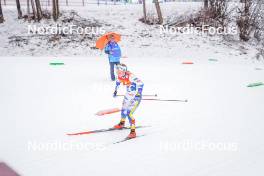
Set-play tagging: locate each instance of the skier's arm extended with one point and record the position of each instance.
(139, 88)
(138, 85)
(116, 87)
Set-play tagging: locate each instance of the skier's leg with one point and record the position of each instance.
(124, 114)
(132, 119)
(121, 124)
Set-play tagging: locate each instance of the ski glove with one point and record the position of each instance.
(114, 94)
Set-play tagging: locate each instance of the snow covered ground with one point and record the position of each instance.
(219, 131)
(138, 40)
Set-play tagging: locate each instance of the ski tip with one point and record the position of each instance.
(107, 111)
(128, 139)
(72, 134)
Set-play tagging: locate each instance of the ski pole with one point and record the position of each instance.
(156, 99)
(149, 95)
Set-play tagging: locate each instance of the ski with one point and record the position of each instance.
(101, 131)
(145, 95)
(157, 99)
(107, 111)
(127, 139)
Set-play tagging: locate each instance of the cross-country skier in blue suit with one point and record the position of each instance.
(132, 98)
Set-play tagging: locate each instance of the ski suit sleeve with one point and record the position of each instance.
(107, 49)
(117, 85)
(137, 84)
(119, 51)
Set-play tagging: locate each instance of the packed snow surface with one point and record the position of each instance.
(219, 131)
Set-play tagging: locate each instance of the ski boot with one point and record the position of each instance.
(120, 125)
(132, 134)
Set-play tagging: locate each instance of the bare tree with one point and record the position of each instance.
(215, 13)
(39, 11)
(28, 7)
(34, 6)
(248, 18)
(206, 3)
(19, 12)
(58, 9)
(144, 11)
(1, 13)
(55, 9)
(33, 9)
(218, 8)
(259, 32)
(158, 11)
